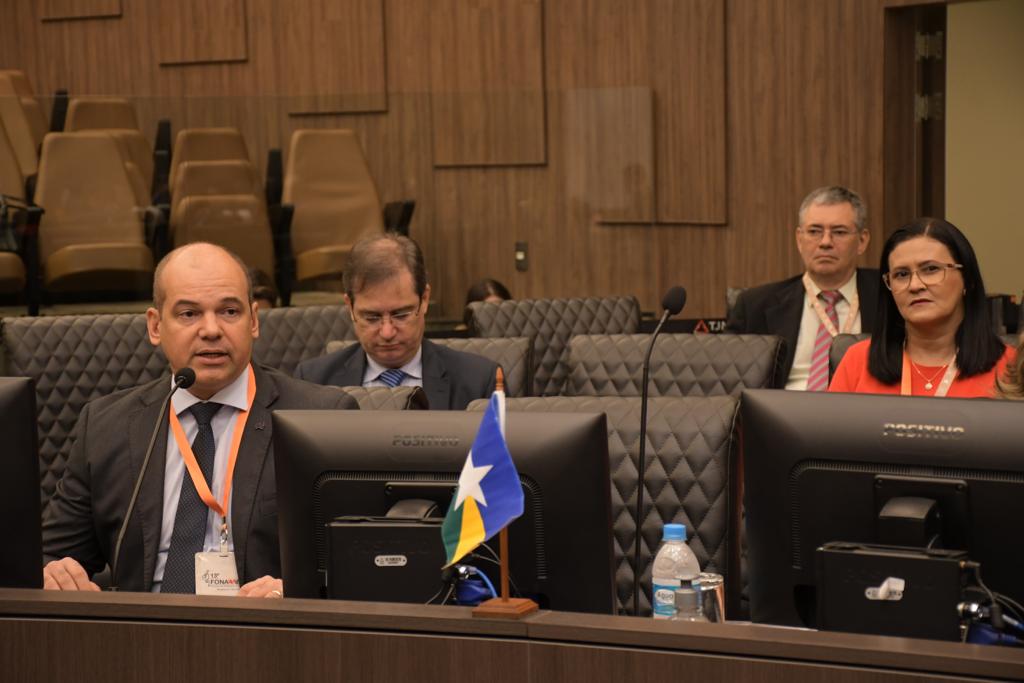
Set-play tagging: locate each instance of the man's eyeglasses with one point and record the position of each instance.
(398, 319)
(816, 234)
(929, 274)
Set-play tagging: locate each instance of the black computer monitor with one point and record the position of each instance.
(865, 469)
(22, 556)
(332, 464)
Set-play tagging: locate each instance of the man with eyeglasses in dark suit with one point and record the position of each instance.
(387, 294)
(831, 296)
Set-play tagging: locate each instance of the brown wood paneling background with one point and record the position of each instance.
(55, 10)
(677, 136)
(200, 31)
(487, 82)
(689, 76)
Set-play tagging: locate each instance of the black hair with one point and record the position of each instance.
(978, 346)
(480, 291)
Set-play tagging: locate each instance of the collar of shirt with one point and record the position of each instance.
(234, 395)
(413, 368)
(848, 290)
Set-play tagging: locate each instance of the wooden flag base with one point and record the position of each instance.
(505, 608)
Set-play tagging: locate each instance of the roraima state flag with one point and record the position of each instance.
(489, 495)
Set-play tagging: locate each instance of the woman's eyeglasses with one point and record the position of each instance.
(929, 274)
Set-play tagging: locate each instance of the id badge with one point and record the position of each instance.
(216, 574)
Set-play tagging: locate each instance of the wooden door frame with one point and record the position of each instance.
(914, 152)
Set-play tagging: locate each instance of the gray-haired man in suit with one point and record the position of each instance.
(831, 296)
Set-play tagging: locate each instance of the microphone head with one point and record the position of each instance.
(674, 300)
(185, 378)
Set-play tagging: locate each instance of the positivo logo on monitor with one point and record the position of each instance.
(910, 430)
(424, 440)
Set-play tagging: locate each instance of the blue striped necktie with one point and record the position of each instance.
(392, 377)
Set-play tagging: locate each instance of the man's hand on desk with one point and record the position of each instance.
(67, 575)
(263, 587)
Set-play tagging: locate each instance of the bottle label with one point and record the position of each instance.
(664, 601)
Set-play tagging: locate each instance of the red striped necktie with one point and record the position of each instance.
(817, 380)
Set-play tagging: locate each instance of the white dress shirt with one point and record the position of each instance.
(233, 397)
(809, 323)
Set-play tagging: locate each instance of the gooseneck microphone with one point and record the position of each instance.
(183, 379)
(672, 303)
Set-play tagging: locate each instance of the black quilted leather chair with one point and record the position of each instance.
(689, 443)
(513, 354)
(681, 364)
(289, 336)
(841, 343)
(74, 359)
(552, 323)
(386, 398)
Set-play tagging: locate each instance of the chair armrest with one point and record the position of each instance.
(156, 219)
(281, 224)
(398, 216)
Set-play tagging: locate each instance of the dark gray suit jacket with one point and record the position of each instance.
(777, 307)
(451, 379)
(86, 511)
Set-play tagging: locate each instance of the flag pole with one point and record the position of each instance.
(503, 538)
(504, 607)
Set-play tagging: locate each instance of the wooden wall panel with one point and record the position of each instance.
(336, 55)
(201, 31)
(56, 10)
(487, 82)
(608, 137)
(689, 76)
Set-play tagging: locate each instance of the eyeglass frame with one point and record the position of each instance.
(943, 268)
(398, 323)
(844, 233)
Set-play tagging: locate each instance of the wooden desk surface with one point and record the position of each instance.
(130, 636)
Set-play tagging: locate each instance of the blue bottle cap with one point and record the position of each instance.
(674, 532)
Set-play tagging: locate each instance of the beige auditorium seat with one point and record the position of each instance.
(205, 144)
(33, 109)
(91, 234)
(12, 182)
(19, 129)
(238, 222)
(328, 182)
(91, 113)
(117, 116)
(220, 177)
(136, 150)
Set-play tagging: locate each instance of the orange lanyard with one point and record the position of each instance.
(823, 316)
(190, 459)
(906, 381)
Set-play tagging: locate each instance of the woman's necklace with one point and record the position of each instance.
(928, 381)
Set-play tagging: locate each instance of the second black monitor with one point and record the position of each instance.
(332, 464)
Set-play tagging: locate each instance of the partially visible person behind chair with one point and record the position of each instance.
(831, 296)
(263, 290)
(387, 294)
(1011, 383)
(933, 335)
(487, 290)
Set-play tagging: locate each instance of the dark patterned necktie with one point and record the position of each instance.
(392, 377)
(190, 519)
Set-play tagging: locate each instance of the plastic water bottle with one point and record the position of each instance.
(675, 566)
(689, 605)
